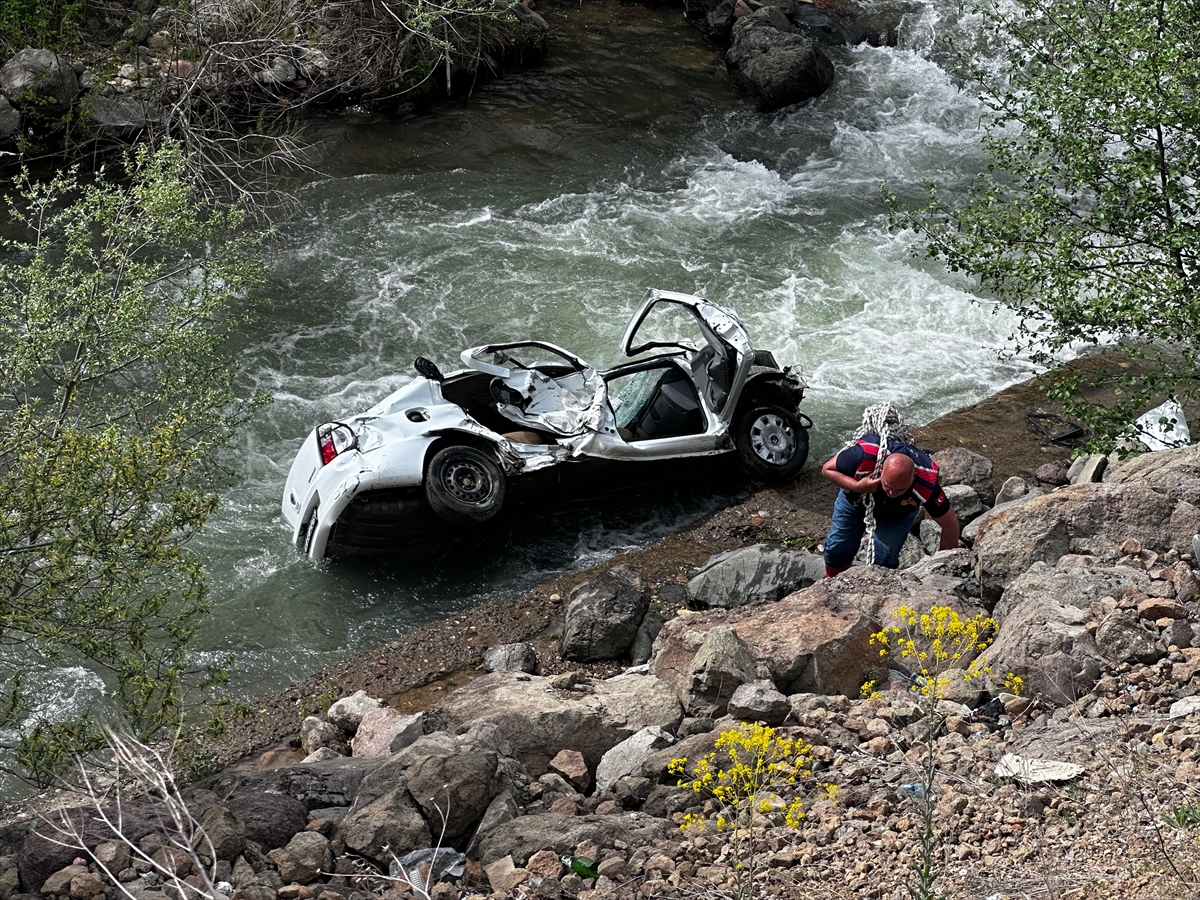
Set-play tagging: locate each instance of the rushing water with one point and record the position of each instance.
(544, 207)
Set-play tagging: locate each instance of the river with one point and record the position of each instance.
(543, 207)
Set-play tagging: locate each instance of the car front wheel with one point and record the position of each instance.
(772, 443)
(464, 485)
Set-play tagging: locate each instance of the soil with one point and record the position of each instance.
(1009, 428)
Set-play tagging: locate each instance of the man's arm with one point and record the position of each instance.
(866, 485)
(950, 529)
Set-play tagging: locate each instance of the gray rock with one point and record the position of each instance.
(385, 730)
(948, 572)
(1046, 643)
(965, 501)
(321, 754)
(316, 733)
(10, 122)
(971, 531)
(306, 855)
(270, 820)
(958, 465)
(1012, 488)
(1052, 474)
(1121, 638)
(280, 71)
(60, 882)
(759, 703)
(603, 614)
(321, 785)
(225, 830)
(527, 835)
(451, 777)
(43, 851)
(643, 641)
(390, 822)
(511, 658)
(122, 116)
(759, 574)
(39, 83)
(348, 712)
(503, 808)
(1089, 469)
(772, 64)
(721, 663)
(627, 757)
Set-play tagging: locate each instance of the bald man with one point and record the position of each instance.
(907, 481)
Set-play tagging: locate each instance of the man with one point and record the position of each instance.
(907, 480)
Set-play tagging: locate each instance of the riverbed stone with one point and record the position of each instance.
(526, 835)
(603, 614)
(519, 657)
(773, 64)
(305, 856)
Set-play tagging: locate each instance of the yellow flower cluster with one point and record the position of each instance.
(756, 765)
(938, 640)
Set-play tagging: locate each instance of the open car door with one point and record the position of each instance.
(720, 365)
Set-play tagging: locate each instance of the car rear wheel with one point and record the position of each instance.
(464, 485)
(772, 443)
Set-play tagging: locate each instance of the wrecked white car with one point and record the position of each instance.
(530, 417)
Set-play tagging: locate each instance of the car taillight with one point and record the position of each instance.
(334, 438)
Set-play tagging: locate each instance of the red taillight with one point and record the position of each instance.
(334, 438)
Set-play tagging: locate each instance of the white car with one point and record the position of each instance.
(532, 418)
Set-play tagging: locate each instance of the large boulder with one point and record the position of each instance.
(386, 821)
(539, 720)
(453, 778)
(1155, 501)
(958, 465)
(121, 116)
(1046, 642)
(270, 820)
(811, 641)
(40, 83)
(773, 64)
(603, 614)
(762, 573)
(319, 785)
(1078, 581)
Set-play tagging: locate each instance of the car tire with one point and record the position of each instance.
(310, 527)
(464, 485)
(772, 443)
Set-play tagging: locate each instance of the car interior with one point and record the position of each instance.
(656, 401)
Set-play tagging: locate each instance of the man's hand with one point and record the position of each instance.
(868, 485)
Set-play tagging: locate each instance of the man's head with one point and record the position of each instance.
(897, 475)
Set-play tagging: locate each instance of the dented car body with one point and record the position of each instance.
(457, 449)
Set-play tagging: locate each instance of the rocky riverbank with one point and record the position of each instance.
(1082, 787)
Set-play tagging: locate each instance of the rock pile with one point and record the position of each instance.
(525, 786)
